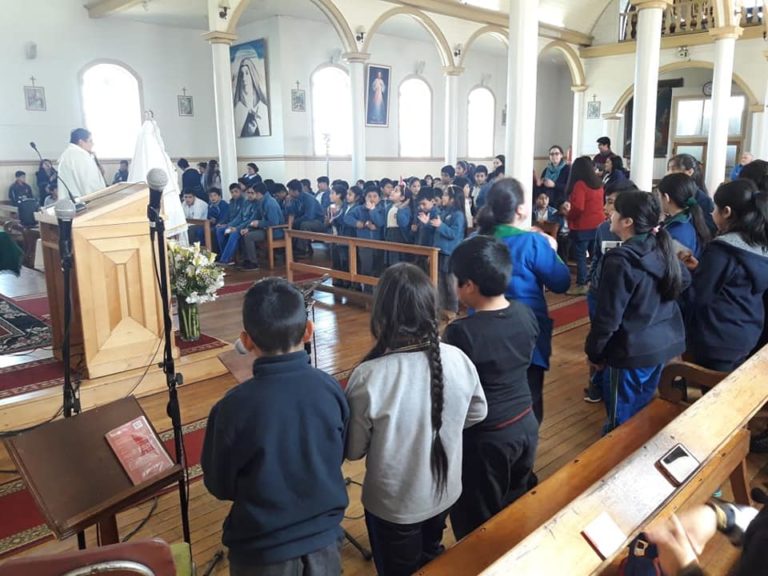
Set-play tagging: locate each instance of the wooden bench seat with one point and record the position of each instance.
(274, 244)
(492, 540)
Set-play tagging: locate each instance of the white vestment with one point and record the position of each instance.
(79, 172)
(198, 210)
(150, 153)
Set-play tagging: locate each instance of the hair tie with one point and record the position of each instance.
(691, 202)
(655, 231)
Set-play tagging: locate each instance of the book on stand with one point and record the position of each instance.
(139, 450)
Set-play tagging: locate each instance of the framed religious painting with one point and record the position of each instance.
(377, 95)
(250, 89)
(34, 98)
(186, 106)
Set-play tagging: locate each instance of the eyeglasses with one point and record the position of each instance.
(555, 154)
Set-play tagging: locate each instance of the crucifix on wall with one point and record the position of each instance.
(298, 99)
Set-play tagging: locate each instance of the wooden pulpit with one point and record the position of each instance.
(117, 320)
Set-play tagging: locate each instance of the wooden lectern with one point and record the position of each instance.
(117, 320)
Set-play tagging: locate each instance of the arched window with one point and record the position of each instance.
(415, 118)
(480, 119)
(332, 111)
(112, 108)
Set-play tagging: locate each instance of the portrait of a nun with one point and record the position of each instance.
(251, 103)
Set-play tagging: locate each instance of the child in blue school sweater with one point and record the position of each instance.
(398, 227)
(684, 219)
(450, 226)
(535, 265)
(368, 220)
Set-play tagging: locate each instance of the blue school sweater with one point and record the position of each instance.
(233, 211)
(305, 208)
(246, 216)
(602, 234)
(218, 212)
(361, 214)
(681, 228)
(269, 214)
(450, 233)
(534, 265)
(425, 233)
(404, 221)
(274, 445)
(346, 229)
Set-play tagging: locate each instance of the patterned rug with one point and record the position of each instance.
(21, 330)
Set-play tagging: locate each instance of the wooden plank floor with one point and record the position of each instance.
(570, 424)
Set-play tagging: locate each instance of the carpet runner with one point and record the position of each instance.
(21, 330)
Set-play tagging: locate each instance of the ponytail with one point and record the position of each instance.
(749, 210)
(504, 198)
(699, 224)
(671, 283)
(438, 459)
(681, 190)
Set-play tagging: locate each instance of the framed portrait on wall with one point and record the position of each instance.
(593, 110)
(250, 89)
(377, 95)
(186, 106)
(34, 98)
(298, 100)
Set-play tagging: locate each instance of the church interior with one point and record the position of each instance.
(272, 103)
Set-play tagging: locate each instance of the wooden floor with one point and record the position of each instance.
(342, 338)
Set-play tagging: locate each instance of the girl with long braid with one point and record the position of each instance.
(410, 400)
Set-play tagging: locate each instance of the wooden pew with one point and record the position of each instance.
(541, 532)
(274, 244)
(206, 224)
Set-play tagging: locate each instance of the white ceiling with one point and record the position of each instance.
(579, 15)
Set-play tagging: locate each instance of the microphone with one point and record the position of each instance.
(240, 348)
(156, 180)
(65, 212)
(34, 147)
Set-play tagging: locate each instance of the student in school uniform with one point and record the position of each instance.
(688, 165)
(218, 209)
(726, 301)
(684, 219)
(368, 220)
(307, 216)
(499, 339)
(251, 175)
(267, 215)
(410, 400)
(385, 190)
(284, 480)
(398, 227)
(414, 185)
(535, 265)
(235, 227)
(194, 209)
(480, 176)
(447, 174)
(638, 326)
(543, 212)
(462, 183)
(424, 234)
(450, 229)
(334, 215)
(235, 207)
(323, 194)
(354, 197)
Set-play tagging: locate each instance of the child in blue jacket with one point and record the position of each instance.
(398, 226)
(535, 264)
(368, 221)
(684, 219)
(450, 228)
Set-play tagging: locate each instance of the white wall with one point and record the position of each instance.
(166, 59)
(554, 106)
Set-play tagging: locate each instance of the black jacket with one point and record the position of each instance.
(725, 306)
(633, 327)
(274, 445)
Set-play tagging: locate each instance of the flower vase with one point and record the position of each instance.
(189, 320)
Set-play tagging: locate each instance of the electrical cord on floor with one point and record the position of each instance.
(217, 557)
(143, 523)
(348, 481)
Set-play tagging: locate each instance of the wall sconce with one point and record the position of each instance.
(419, 67)
(360, 36)
(457, 51)
(682, 52)
(224, 7)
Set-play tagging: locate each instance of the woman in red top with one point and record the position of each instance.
(585, 213)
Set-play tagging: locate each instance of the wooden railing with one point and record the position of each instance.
(352, 244)
(688, 17)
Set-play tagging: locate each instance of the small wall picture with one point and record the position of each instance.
(298, 100)
(34, 97)
(186, 106)
(377, 96)
(593, 110)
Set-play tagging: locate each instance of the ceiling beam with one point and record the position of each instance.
(492, 17)
(104, 8)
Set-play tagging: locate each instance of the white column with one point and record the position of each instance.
(646, 86)
(225, 115)
(577, 131)
(758, 132)
(611, 124)
(522, 69)
(717, 145)
(357, 62)
(452, 74)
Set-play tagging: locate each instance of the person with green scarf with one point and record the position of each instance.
(554, 178)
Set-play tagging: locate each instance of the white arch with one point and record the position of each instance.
(494, 31)
(578, 76)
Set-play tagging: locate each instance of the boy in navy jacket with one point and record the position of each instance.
(274, 445)
(369, 221)
(266, 215)
(307, 215)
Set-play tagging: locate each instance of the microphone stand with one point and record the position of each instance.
(172, 379)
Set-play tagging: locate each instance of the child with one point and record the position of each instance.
(544, 212)
(236, 205)
(267, 214)
(409, 400)
(323, 194)
(399, 218)
(218, 209)
(424, 233)
(688, 165)
(726, 307)
(307, 216)
(353, 198)
(450, 229)
(284, 479)
(368, 221)
(333, 222)
(535, 264)
(235, 228)
(499, 339)
(638, 326)
(604, 241)
(481, 175)
(414, 185)
(468, 206)
(684, 219)
(194, 209)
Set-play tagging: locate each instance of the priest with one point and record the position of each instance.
(78, 169)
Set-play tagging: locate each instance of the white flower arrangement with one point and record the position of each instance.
(194, 275)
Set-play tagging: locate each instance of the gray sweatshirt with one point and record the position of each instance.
(390, 422)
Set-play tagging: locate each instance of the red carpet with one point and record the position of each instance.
(22, 524)
(569, 315)
(42, 374)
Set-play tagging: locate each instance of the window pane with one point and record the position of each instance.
(415, 119)
(688, 117)
(480, 117)
(736, 110)
(332, 111)
(707, 120)
(730, 157)
(695, 150)
(112, 107)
